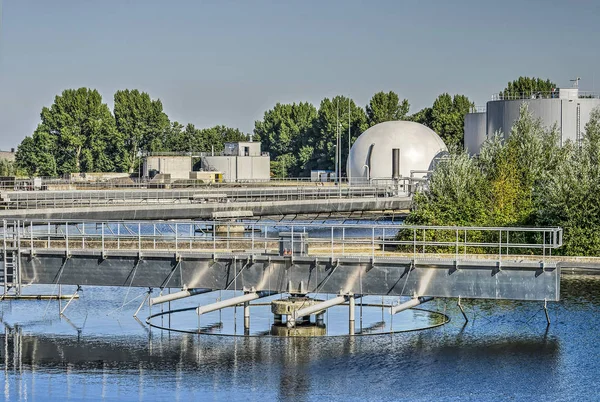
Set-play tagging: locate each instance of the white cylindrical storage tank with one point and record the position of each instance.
(371, 154)
(475, 132)
(569, 113)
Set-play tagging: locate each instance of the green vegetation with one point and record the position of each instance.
(526, 87)
(527, 180)
(78, 133)
(446, 117)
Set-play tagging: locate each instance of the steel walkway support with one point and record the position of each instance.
(415, 301)
(234, 301)
(292, 318)
(178, 295)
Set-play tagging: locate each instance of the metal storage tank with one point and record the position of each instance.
(567, 108)
(475, 132)
(372, 152)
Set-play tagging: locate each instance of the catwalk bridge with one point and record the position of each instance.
(203, 202)
(261, 259)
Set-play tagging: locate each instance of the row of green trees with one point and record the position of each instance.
(527, 180)
(79, 133)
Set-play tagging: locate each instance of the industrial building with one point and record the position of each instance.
(569, 109)
(394, 149)
(239, 161)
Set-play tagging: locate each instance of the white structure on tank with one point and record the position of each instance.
(373, 151)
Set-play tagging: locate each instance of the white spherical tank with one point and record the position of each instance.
(371, 154)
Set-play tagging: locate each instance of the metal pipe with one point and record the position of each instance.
(178, 295)
(234, 301)
(292, 318)
(410, 304)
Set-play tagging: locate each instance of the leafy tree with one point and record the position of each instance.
(570, 198)
(423, 117)
(324, 137)
(448, 116)
(525, 87)
(499, 187)
(77, 134)
(283, 131)
(7, 168)
(386, 107)
(141, 123)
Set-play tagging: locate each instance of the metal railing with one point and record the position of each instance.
(542, 95)
(44, 184)
(317, 240)
(89, 198)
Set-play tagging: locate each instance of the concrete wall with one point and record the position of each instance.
(475, 132)
(501, 115)
(239, 167)
(179, 167)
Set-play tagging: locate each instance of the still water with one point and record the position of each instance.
(505, 352)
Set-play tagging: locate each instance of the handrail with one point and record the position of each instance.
(317, 240)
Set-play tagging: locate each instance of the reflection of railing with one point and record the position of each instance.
(319, 240)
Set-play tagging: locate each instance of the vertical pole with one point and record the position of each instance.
(67, 236)
(351, 306)
(373, 242)
(139, 237)
(349, 145)
(246, 317)
(332, 242)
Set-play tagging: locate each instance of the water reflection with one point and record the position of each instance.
(502, 354)
(293, 368)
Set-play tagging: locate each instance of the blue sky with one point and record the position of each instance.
(226, 62)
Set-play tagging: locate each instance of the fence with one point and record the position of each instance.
(251, 238)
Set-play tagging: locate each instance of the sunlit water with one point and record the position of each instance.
(505, 352)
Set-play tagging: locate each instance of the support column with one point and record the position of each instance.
(351, 308)
(246, 317)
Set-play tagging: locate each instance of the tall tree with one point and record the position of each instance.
(141, 123)
(386, 107)
(324, 138)
(447, 118)
(526, 87)
(77, 134)
(283, 131)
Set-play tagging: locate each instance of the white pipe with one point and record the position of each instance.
(410, 304)
(313, 309)
(178, 295)
(234, 301)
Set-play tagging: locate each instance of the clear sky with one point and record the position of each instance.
(225, 62)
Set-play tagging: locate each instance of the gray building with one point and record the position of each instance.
(569, 109)
(239, 161)
(177, 165)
